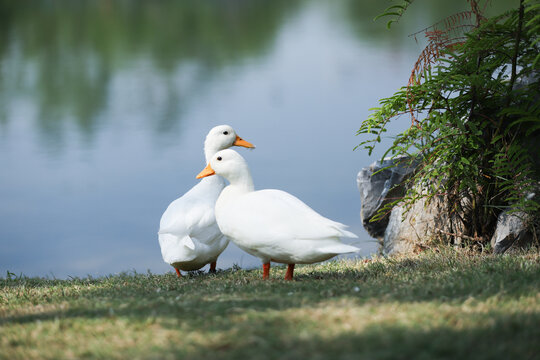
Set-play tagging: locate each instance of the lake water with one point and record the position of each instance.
(104, 106)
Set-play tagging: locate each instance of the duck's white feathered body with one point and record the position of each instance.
(272, 224)
(189, 236)
(276, 226)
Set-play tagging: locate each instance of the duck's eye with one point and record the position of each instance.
(225, 133)
(219, 158)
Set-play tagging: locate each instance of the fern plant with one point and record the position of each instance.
(473, 99)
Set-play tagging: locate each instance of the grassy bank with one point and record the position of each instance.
(435, 305)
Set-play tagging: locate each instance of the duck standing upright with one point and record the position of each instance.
(271, 224)
(188, 234)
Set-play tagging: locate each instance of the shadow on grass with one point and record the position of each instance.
(491, 335)
(498, 336)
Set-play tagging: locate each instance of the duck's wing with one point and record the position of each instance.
(277, 215)
(195, 209)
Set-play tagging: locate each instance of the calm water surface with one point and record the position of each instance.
(104, 106)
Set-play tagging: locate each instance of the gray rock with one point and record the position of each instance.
(376, 188)
(426, 221)
(395, 241)
(511, 230)
(412, 230)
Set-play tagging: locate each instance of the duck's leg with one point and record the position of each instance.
(212, 267)
(290, 272)
(266, 271)
(178, 273)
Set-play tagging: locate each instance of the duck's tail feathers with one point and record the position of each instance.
(339, 249)
(187, 242)
(173, 239)
(349, 234)
(342, 230)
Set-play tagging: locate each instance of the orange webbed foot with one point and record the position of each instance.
(266, 271)
(290, 272)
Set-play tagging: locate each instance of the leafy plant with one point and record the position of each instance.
(473, 99)
(395, 11)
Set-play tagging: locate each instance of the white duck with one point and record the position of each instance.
(271, 224)
(188, 234)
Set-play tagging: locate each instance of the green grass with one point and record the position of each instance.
(444, 304)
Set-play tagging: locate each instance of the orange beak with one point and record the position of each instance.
(241, 142)
(207, 171)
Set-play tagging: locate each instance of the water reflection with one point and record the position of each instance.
(66, 54)
(104, 106)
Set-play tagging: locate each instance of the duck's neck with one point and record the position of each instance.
(242, 183)
(209, 152)
(211, 147)
(241, 180)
